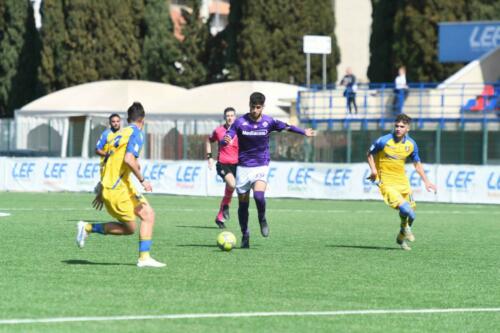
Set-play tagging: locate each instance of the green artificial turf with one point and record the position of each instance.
(320, 256)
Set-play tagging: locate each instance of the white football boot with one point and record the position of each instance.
(81, 234)
(149, 262)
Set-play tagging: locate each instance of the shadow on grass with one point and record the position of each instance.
(197, 245)
(85, 220)
(362, 247)
(196, 227)
(86, 262)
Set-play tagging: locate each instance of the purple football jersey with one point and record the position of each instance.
(253, 139)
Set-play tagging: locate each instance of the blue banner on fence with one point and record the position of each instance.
(466, 41)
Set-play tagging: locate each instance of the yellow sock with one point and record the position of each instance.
(144, 255)
(88, 228)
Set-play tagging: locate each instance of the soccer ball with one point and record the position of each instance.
(226, 241)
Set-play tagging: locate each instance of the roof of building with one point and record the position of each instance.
(163, 99)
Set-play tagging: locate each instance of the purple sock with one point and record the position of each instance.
(243, 216)
(260, 202)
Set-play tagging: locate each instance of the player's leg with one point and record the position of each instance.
(120, 207)
(394, 199)
(223, 213)
(259, 189)
(147, 216)
(228, 194)
(84, 229)
(407, 215)
(243, 187)
(227, 174)
(243, 203)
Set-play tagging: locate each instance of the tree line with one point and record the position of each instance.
(89, 40)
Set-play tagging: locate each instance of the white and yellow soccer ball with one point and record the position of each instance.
(226, 241)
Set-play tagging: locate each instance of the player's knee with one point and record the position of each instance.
(230, 185)
(145, 213)
(243, 197)
(129, 228)
(406, 211)
(259, 196)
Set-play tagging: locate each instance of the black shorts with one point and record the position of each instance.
(224, 169)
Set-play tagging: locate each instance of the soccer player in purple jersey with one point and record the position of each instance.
(253, 130)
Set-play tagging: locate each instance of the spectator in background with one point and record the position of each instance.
(349, 82)
(400, 90)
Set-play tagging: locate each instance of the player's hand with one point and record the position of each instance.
(210, 163)
(310, 132)
(98, 188)
(227, 139)
(98, 202)
(430, 187)
(147, 186)
(373, 176)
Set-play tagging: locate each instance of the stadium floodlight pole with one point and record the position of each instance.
(324, 71)
(308, 69)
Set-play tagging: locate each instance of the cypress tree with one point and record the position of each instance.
(53, 56)
(406, 33)
(194, 47)
(88, 41)
(19, 54)
(265, 39)
(160, 50)
(381, 66)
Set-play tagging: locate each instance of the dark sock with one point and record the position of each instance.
(260, 202)
(243, 217)
(98, 228)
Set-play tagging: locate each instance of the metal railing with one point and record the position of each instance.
(425, 102)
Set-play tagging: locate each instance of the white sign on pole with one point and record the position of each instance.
(317, 44)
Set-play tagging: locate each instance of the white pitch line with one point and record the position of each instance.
(4, 214)
(245, 315)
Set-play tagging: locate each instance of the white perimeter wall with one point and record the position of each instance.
(456, 183)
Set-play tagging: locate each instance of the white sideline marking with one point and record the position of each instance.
(244, 314)
(4, 214)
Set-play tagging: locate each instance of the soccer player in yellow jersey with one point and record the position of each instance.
(387, 157)
(114, 126)
(101, 149)
(119, 195)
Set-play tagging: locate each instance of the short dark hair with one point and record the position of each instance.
(403, 118)
(135, 112)
(257, 98)
(229, 109)
(114, 115)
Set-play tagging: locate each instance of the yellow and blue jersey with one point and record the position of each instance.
(390, 157)
(103, 140)
(102, 144)
(116, 173)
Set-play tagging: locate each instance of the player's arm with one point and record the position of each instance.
(134, 146)
(99, 147)
(132, 162)
(208, 149)
(280, 125)
(377, 146)
(100, 152)
(373, 168)
(421, 172)
(98, 201)
(230, 133)
(415, 157)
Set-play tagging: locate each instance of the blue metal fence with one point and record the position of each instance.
(380, 103)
